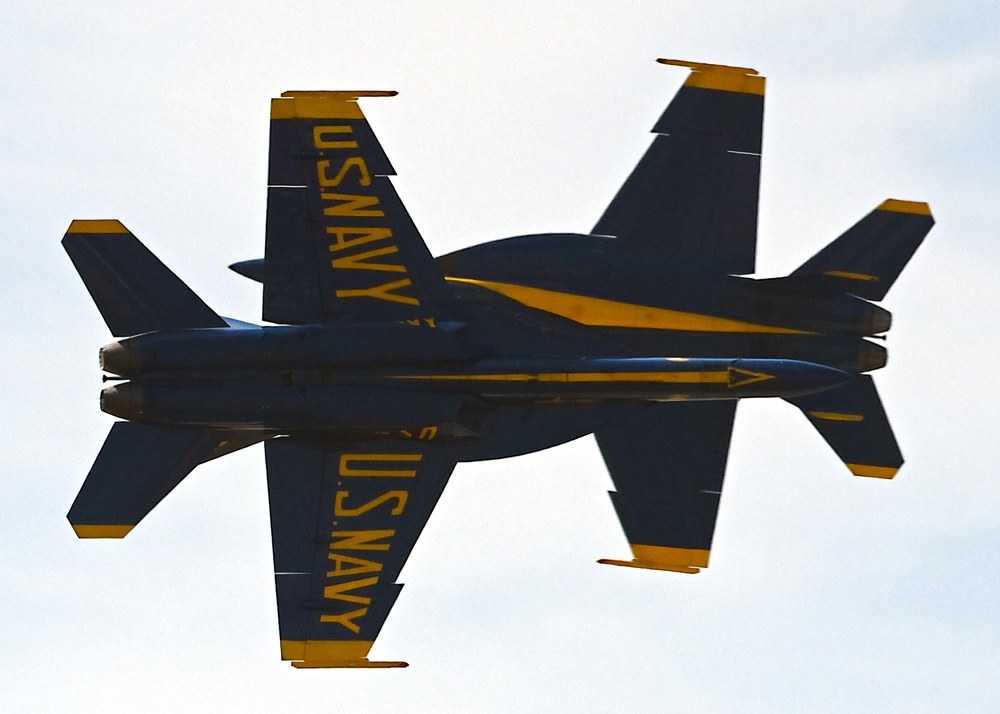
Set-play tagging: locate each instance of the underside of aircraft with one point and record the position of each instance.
(383, 367)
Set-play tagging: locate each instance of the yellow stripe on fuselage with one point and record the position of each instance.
(611, 313)
(717, 377)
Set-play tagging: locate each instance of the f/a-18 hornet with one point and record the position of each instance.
(383, 367)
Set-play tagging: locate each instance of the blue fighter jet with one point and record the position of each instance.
(383, 367)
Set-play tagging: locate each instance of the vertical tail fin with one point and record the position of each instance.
(852, 420)
(134, 291)
(866, 260)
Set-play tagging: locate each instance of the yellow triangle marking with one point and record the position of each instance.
(743, 377)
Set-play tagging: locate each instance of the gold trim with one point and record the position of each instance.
(897, 206)
(644, 566)
(324, 654)
(834, 416)
(321, 105)
(658, 557)
(743, 377)
(611, 313)
(97, 226)
(103, 531)
(851, 276)
(338, 650)
(721, 76)
(347, 664)
(665, 555)
(873, 471)
(720, 377)
(342, 94)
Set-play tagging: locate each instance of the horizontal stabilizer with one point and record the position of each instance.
(136, 468)
(866, 260)
(134, 291)
(853, 422)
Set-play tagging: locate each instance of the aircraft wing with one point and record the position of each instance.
(344, 518)
(668, 462)
(339, 243)
(692, 198)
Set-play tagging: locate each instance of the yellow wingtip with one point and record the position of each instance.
(102, 225)
(885, 472)
(348, 664)
(723, 77)
(658, 557)
(102, 531)
(298, 104)
(896, 205)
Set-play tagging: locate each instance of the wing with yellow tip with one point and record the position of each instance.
(339, 242)
(692, 198)
(344, 518)
(668, 462)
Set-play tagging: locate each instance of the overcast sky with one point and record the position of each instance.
(826, 592)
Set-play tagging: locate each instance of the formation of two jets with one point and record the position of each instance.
(385, 366)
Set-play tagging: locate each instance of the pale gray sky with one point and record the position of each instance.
(826, 592)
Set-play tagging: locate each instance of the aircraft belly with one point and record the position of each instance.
(517, 430)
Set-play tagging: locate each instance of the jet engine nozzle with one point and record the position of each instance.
(877, 320)
(119, 358)
(122, 400)
(871, 357)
